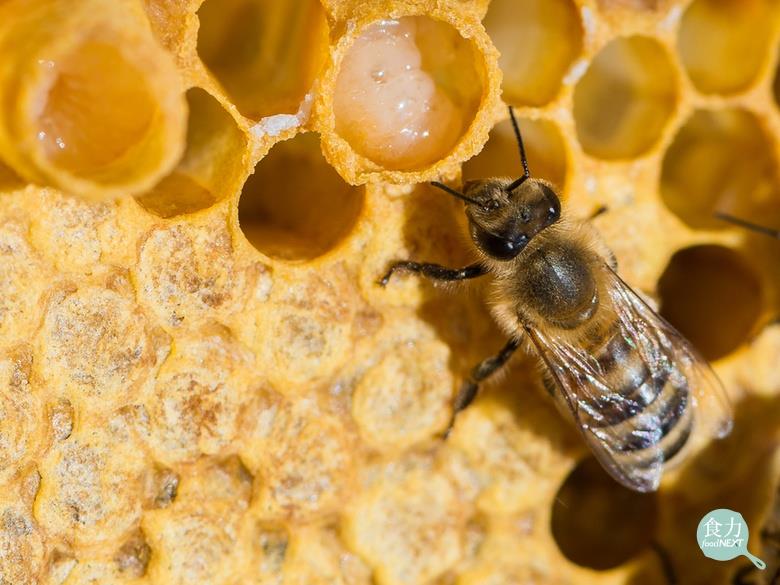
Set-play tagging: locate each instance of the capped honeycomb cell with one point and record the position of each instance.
(195, 539)
(194, 407)
(402, 400)
(97, 347)
(21, 544)
(712, 296)
(211, 166)
(68, 230)
(318, 557)
(99, 111)
(295, 206)
(316, 319)
(539, 41)
(301, 457)
(407, 91)
(196, 274)
(625, 99)
(407, 530)
(544, 146)
(92, 486)
(23, 276)
(724, 43)
(308, 555)
(511, 479)
(266, 54)
(735, 170)
(21, 412)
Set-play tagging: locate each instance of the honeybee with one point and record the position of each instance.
(633, 385)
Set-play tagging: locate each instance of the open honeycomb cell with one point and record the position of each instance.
(407, 91)
(625, 99)
(539, 41)
(201, 381)
(736, 171)
(210, 169)
(722, 301)
(724, 43)
(101, 111)
(265, 54)
(545, 149)
(626, 520)
(295, 206)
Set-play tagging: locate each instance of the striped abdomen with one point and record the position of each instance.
(644, 408)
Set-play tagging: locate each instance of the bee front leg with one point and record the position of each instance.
(470, 389)
(435, 271)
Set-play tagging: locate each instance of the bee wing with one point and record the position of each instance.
(581, 385)
(714, 414)
(586, 393)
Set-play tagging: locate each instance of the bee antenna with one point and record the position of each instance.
(526, 173)
(454, 193)
(747, 224)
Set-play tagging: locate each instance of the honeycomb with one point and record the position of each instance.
(201, 382)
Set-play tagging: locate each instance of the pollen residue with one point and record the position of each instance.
(407, 91)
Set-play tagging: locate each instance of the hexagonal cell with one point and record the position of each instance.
(407, 531)
(211, 164)
(539, 40)
(721, 161)
(295, 206)
(83, 139)
(723, 43)
(598, 523)
(544, 147)
(407, 91)
(625, 99)
(712, 296)
(266, 54)
(105, 120)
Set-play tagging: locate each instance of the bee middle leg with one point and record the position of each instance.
(434, 271)
(470, 388)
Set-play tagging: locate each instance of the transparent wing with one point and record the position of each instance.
(714, 414)
(632, 451)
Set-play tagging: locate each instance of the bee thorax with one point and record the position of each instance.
(557, 282)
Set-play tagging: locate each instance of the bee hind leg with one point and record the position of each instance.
(470, 388)
(434, 271)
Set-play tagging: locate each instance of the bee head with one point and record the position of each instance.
(503, 220)
(503, 214)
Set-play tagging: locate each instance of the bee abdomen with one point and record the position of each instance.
(631, 386)
(643, 413)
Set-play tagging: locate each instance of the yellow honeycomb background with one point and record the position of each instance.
(201, 382)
